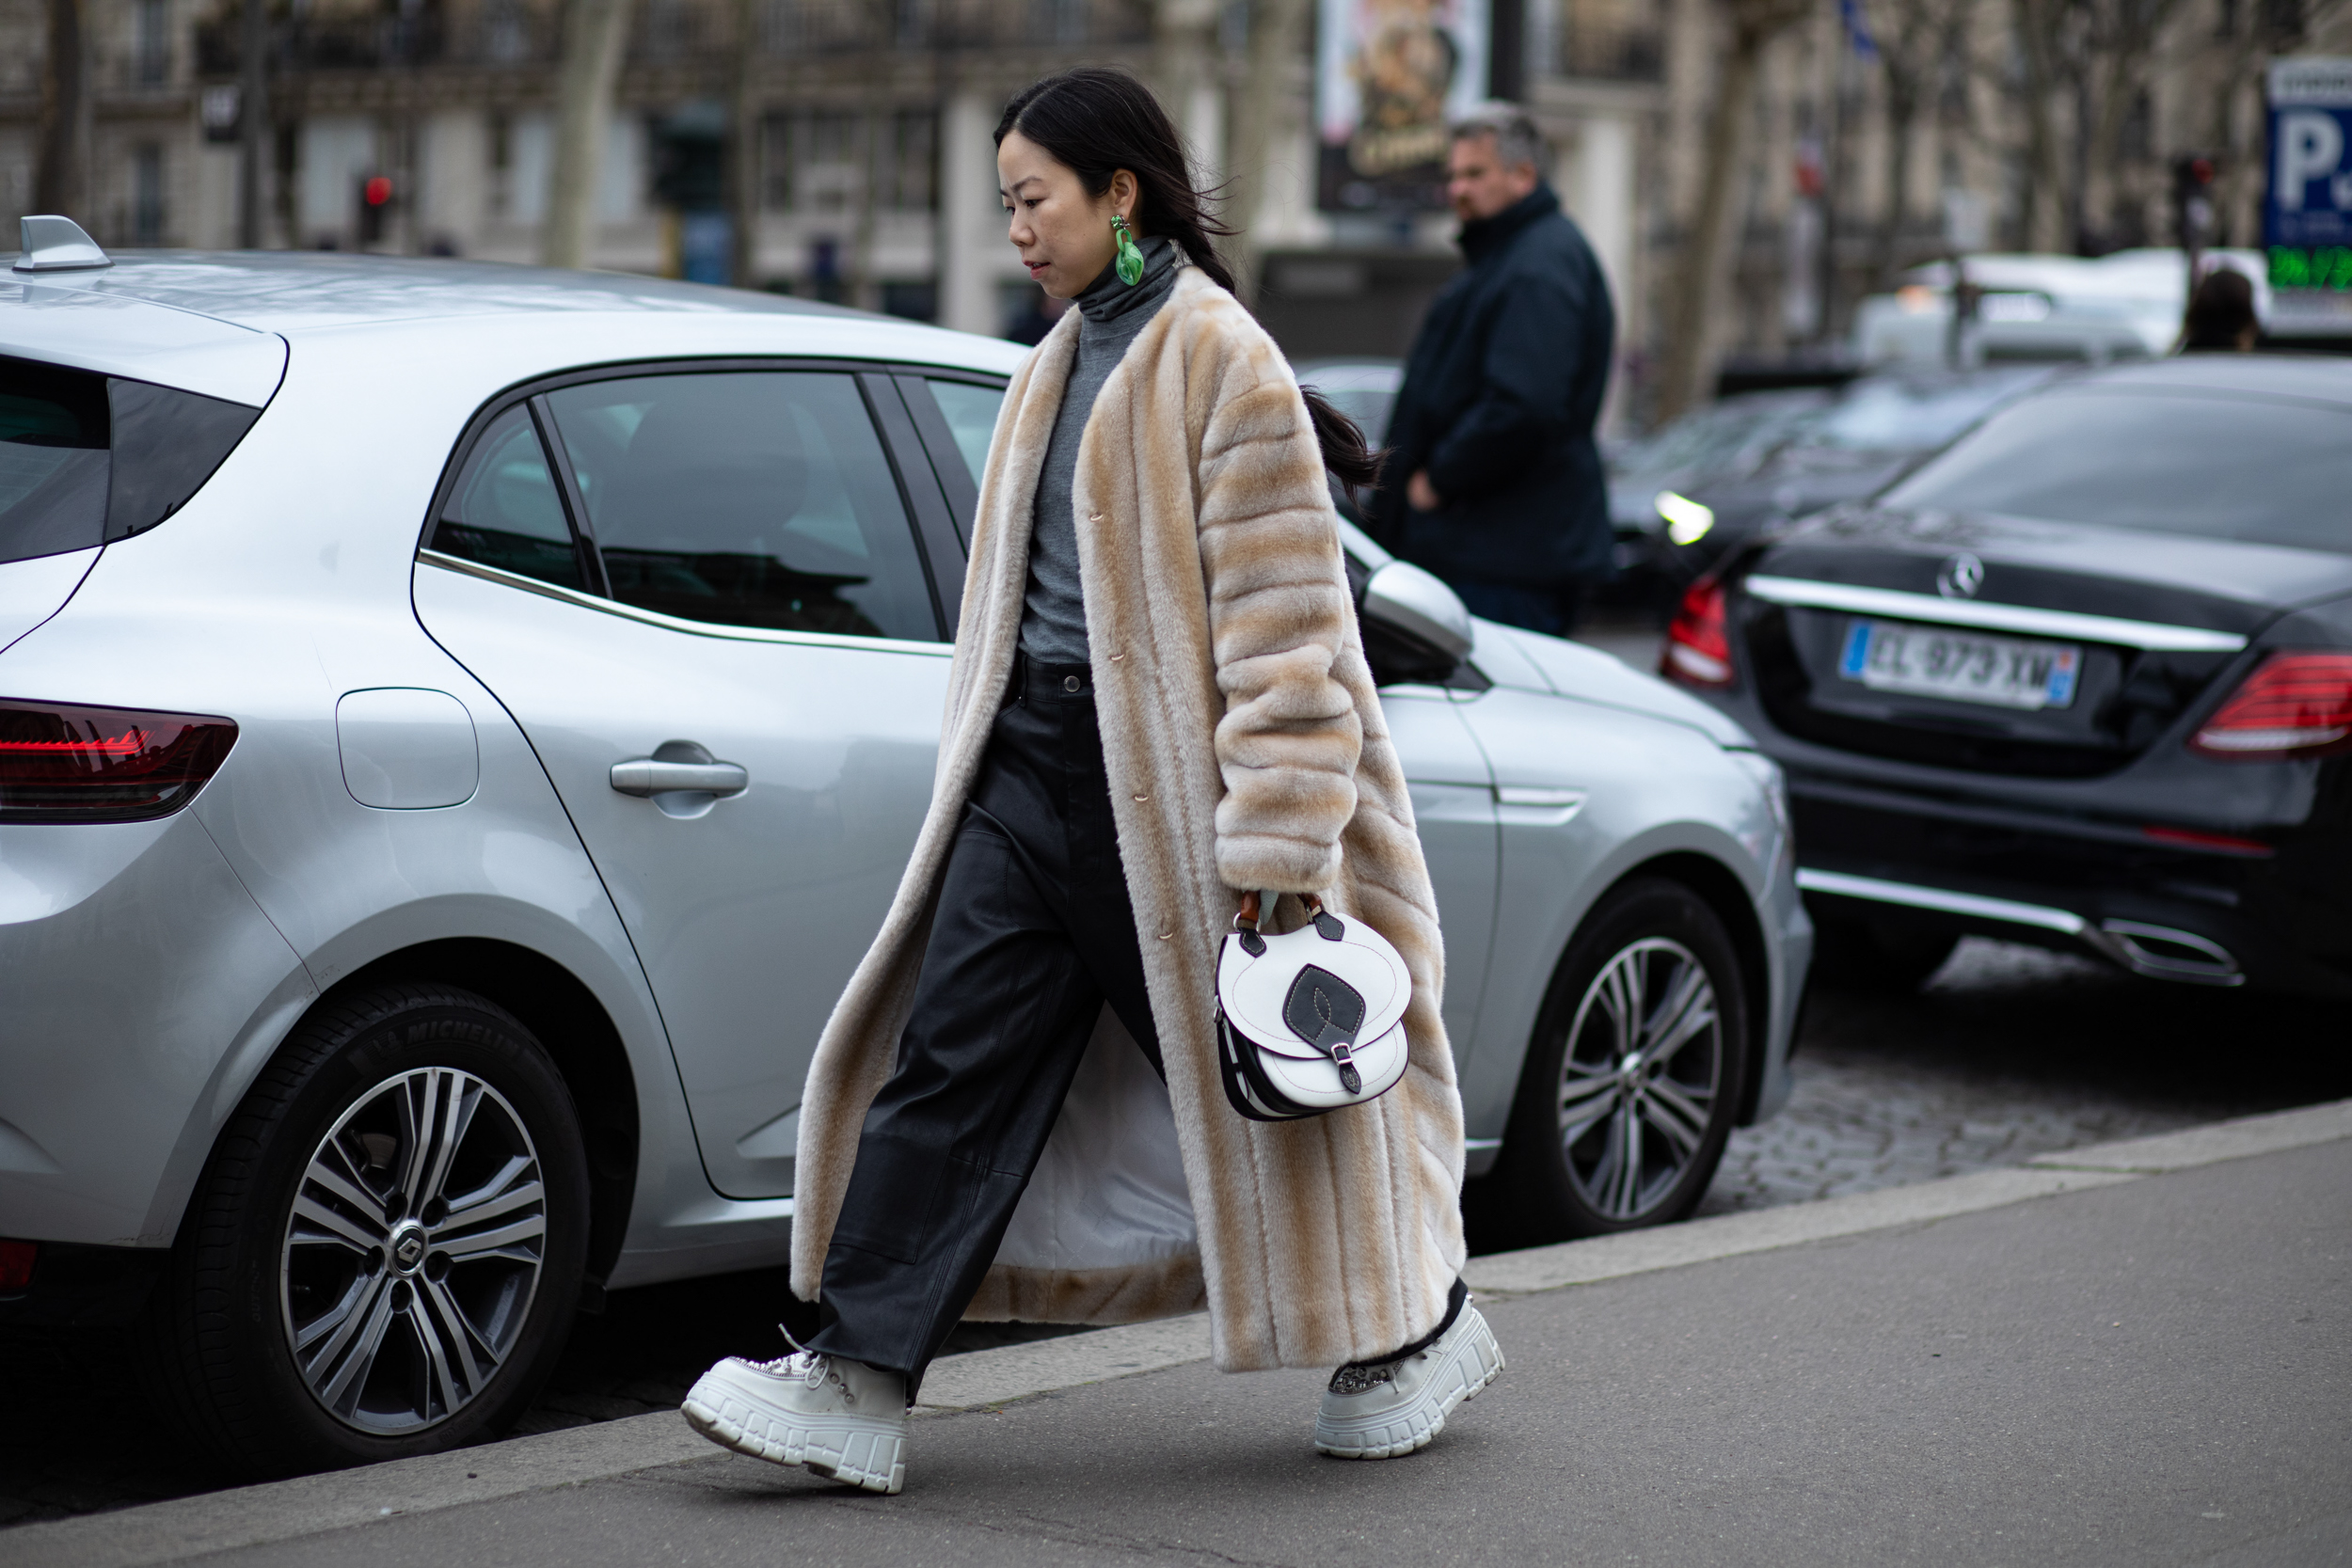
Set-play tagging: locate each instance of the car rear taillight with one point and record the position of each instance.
(2294, 706)
(60, 764)
(1698, 646)
(16, 1266)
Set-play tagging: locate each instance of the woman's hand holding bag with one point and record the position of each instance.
(1311, 1021)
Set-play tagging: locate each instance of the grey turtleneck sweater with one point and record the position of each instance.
(1052, 614)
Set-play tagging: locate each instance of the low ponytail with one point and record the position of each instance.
(1098, 119)
(1345, 453)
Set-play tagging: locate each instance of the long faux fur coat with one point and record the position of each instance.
(1246, 748)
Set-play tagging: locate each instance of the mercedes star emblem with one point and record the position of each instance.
(1959, 576)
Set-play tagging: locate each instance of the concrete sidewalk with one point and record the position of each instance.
(2141, 1358)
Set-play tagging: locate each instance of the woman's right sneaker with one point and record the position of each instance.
(843, 1419)
(1383, 1410)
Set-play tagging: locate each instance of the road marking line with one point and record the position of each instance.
(311, 1505)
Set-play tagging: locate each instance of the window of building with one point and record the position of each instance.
(505, 31)
(501, 165)
(828, 168)
(151, 42)
(1058, 21)
(147, 193)
(914, 299)
(915, 142)
(775, 136)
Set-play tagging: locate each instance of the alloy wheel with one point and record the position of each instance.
(413, 1250)
(1640, 1077)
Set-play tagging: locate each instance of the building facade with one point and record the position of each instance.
(1880, 125)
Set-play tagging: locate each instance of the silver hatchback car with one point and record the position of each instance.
(459, 727)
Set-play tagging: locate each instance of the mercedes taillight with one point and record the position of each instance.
(1698, 639)
(70, 764)
(2293, 705)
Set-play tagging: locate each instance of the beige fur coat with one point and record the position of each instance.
(1246, 748)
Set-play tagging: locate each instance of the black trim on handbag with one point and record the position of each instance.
(1312, 1020)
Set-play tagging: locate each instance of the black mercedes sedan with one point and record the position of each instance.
(2082, 678)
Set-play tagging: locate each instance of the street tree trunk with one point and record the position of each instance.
(593, 31)
(1277, 37)
(744, 202)
(1911, 43)
(61, 173)
(863, 289)
(1684, 376)
(253, 133)
(2126, 52)
(1902, 115)
(2047, 195)
(1180, 60)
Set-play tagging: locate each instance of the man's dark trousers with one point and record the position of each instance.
(1498, 405)
(1034, 933)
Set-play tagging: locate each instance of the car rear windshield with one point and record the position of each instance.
(1714, 437)
(1890, 414)
(87, 458)
(2271, 470)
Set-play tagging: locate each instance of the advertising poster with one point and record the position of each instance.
(1390, 74)
(2307, 221)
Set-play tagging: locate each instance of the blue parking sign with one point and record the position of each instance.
(2307, 222)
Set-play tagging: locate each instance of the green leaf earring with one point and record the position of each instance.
(1130, 262)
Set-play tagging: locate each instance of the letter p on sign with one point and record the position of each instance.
(2311, 145)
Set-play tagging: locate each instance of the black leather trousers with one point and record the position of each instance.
(1033, 934)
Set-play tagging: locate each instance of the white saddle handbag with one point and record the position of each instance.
(1311, 1021)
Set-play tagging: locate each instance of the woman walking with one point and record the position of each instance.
(1159, 702)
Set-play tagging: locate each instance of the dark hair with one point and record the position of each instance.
(1097, 119)
(2219, 312)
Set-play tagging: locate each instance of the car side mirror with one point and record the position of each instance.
(1415, 605)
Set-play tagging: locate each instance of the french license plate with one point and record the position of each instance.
(1963, 666)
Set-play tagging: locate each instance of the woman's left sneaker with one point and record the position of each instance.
(1388, 1408)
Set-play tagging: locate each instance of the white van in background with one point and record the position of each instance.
(2044, 308)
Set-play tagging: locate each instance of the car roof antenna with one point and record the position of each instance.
(53, 244)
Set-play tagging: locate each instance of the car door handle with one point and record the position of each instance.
(645, 776)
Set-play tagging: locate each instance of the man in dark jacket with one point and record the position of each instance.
(1494, 483)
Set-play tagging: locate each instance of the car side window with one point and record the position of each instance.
(746, 498)
(504, 512)
(54, 440)
(970, 415)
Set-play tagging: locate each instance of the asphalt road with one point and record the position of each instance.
(2145, 1373)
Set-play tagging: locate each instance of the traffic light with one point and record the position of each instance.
(690, 160)
(376, 204)
(2193, 210)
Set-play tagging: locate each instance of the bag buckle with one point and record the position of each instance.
(1350, 1080)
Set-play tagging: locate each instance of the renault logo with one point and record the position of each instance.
(408, 1247)
(1959, 576)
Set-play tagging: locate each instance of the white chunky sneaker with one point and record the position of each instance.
(843, 1419)
(1394, 1408)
